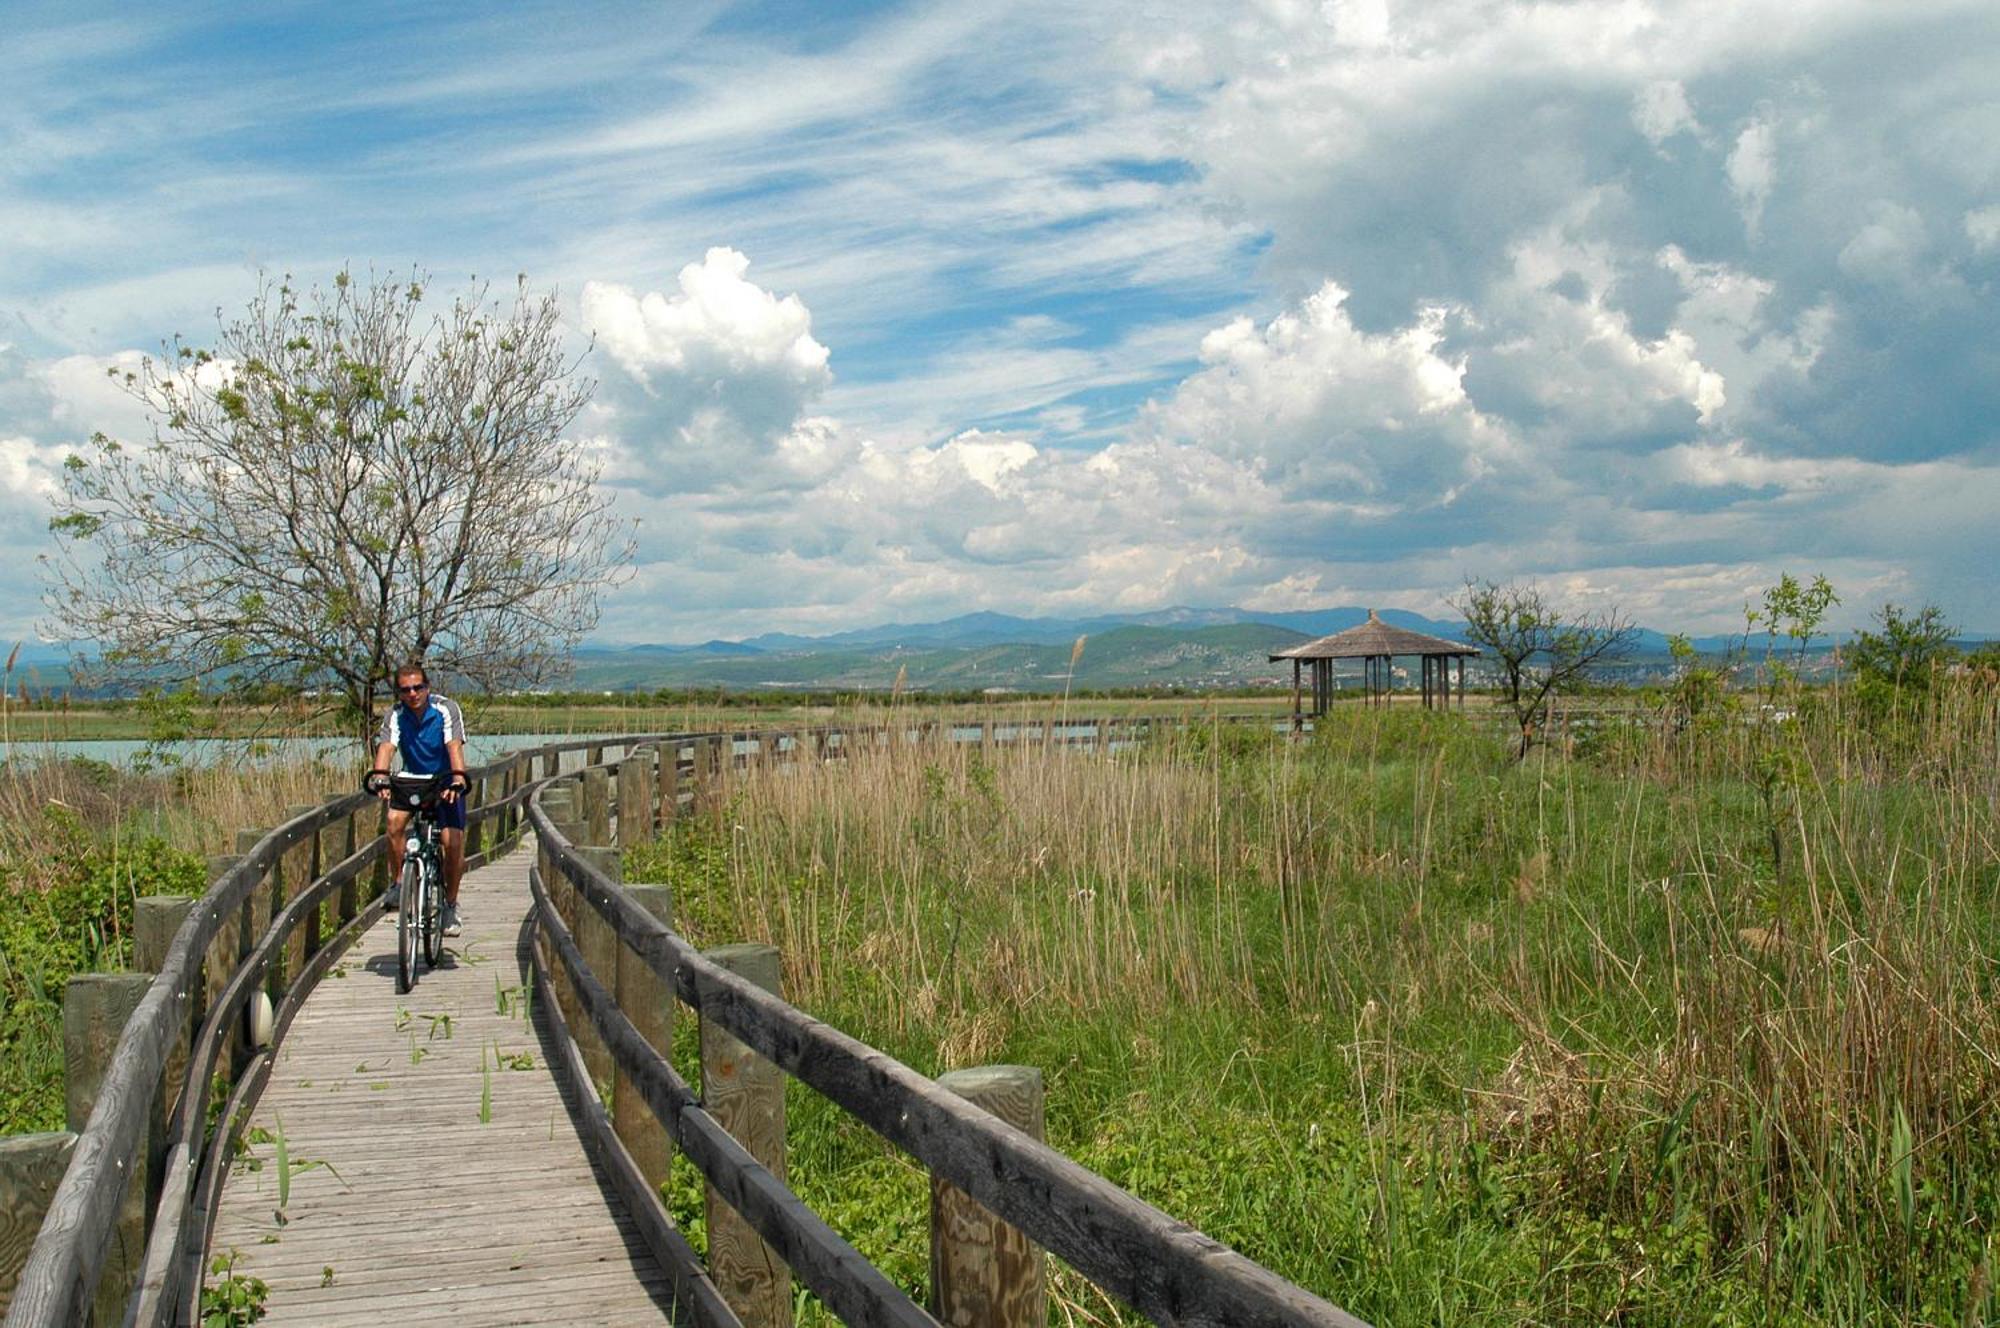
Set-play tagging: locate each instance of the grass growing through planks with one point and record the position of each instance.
(1688, 1023)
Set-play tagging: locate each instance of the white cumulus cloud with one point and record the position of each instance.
(1317, 406)
(714, 380)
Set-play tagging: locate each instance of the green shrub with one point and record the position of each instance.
(71, 914)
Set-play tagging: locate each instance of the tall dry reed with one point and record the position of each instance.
(1737, 974)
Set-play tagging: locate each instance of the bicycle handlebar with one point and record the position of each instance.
(413, 792)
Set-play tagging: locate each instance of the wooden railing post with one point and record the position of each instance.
(746, 1095)
(721, 766)
(649, 1004)
(635, 797)
(669, 784)
(597, 940)
(155, 921)
(509, 815)
(95, 1010)
(376, 823)
(559, 804)
(257, 906)
(336, 844)
(31, 1166)
(984, 1271)
(219, 961)
(293, 875)
(597, 804)
(475, 827)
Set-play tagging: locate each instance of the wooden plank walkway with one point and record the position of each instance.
(404, 1205)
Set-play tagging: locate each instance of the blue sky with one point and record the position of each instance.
(908, 310)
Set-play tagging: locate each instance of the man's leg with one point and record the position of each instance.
(453, 841)
(398, 823)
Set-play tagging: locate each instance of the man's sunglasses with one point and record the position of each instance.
(413, 690)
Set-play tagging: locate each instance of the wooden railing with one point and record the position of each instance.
(606, 962)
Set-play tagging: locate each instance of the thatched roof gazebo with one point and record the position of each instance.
(1375, 643)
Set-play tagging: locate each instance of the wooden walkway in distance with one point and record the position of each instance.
(404, 1205)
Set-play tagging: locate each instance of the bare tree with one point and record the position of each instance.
(347, 479)
(1542, 649)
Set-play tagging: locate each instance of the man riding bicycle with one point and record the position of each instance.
(429, 732)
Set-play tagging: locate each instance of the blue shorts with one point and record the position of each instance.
(451, 815)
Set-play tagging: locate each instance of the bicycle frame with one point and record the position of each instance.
(419, 925)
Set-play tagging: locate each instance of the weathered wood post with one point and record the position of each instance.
(510, 818)
(985, 1272)
(746, 1095)
(293, 875)
(338, 841)
(705, 772)
(156, 919)
(475, 827)
(597, 941)
(95, 1009)
(31, 1166)
(635, 797)
(257, 908)
(649, 1004)
(722, 763)
(597, 804)
(219, 960)
(375, 821)
(559, 804)
(669, 784)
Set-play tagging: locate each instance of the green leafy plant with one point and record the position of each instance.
(231, 1298)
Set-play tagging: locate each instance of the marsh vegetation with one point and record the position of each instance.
(1688, 1020)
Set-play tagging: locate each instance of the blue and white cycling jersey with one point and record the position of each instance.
(421, 737)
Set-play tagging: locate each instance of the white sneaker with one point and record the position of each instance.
(451, 920)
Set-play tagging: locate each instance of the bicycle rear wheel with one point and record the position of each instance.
(433, 915)
(407, 924)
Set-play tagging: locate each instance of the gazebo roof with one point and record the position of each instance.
(1372, 638)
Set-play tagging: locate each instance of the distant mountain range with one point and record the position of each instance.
(989, 629)
(1179, 647)
(1186, 647)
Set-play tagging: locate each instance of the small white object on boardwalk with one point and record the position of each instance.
(404, 1206)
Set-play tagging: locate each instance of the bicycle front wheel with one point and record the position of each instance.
(433, 915)
(407, 924)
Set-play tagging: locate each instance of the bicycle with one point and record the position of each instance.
(420, 902)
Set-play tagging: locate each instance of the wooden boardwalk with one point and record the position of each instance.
(434, 1171)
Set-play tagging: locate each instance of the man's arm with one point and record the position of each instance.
(385, 752)
(454, 752)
